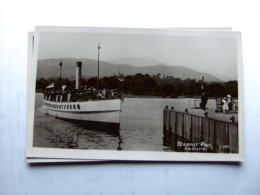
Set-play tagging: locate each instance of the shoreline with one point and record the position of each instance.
(168, 97)
(161, 97)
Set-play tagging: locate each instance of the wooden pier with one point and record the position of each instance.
(191, 132)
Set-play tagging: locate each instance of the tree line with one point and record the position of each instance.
(146, 85)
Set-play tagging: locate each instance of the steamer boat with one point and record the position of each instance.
(84, 105)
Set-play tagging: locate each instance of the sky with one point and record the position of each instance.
(214, 55)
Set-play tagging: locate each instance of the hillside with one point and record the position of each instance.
(137, 61)
(50, 68)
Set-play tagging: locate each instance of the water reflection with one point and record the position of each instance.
(65, 139)
(93, 133)
(59, 133)
(109, 128)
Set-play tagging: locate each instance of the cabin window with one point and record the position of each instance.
(70, 106)
(78, 106)
(74, 107)
(67, 106)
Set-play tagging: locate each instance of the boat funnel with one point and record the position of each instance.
(78, 74)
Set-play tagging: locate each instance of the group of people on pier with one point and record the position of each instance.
(83, 94)
(228, 105)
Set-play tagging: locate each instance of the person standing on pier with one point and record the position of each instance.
(204, 101)
(225, 105)
(229, 101)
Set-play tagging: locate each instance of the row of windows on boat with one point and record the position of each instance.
(80, 96)
(64, 107)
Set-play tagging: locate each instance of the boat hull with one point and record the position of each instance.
(103, 111)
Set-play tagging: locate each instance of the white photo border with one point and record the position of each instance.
(32, 152)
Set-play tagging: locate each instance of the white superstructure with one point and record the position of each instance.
(106, 111)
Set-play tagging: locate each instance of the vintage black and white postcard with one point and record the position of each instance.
(135, 94)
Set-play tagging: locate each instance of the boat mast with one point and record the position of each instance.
(60, 64)
(98, 65)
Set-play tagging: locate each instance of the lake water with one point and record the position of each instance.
(141, 127)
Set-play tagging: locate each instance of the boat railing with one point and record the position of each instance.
(81, 95)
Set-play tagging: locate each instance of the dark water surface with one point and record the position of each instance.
(141, 128)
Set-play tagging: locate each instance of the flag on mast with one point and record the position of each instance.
(50, 86)
(60, 63)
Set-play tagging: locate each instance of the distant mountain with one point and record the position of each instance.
(138, 62)
(50, 68)
(223, 77)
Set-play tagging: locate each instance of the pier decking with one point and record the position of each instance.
(193, 131)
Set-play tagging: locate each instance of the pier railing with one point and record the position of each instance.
(202, 133)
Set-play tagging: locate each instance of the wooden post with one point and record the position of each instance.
(214, 136)
(233, 138)
(176, 125)
(227, 139)
(170, 125)
(191, 127)
(183, 121)
(208, 131)
(200, 129)
(164, 119)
